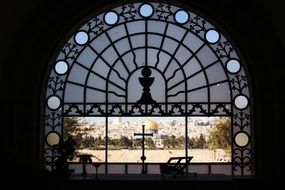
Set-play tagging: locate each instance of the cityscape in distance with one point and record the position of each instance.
(208, 138)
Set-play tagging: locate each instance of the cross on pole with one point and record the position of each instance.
(143, 158)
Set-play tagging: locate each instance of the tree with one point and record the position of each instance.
(200, 142)
(150, 143)
(70, 125)
(220, 136)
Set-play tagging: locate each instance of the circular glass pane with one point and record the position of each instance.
(53, 102)
(111, 18)
(61, 67)
(81, 38)
(241, 102)
(233, 66)
(241, 139)
(212, 36)
(181, 17)
(146, 10)
(52, 139)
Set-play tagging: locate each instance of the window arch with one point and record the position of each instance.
(149, 60)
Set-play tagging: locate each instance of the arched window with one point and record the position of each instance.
(153, 64)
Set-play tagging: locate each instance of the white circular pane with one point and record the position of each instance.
(53, 102)
(81, 38)
(233, 66)
(52, 139)
(111, 18)
(241, 139)
(61, 67)
(181, 16)
(146, 10)
(212, 36)
(241, 102)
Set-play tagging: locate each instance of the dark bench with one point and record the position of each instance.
(175, 166)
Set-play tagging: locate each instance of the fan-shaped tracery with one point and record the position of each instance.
(192, 66)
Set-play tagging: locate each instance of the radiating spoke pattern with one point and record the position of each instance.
(149, 51)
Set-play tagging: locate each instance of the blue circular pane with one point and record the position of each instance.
(111, 18)
(53, 102)
(233, 66)
(181, 17)
(212, 36)
(81, 38)
(61, 67)
(146, 10)
(241, 102)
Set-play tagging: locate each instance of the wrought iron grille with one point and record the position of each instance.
(149, 59)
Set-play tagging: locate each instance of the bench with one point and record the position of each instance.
(175, 166)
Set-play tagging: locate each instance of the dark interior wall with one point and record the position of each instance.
(31, 31)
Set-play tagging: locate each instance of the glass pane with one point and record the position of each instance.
(192, 42)
(129, 60)
(146, 10)
(86, 57)
(96, 82)
(216, 73)
(115, 78)
(61, 67)
(94, 96)
(181, 16)
(81, 38)
(111, 17)
(212, 36)
(206, 56)
(182, 55)
(152, 57)
(138, 41)
(53, 139)
(169, 45)
(122, 71)
(209, 139)
(154, 40)
(163, 59)
(173, 65)
(241, 139)
(200, 95)
(175, 32)
(117, 32)
(110, 55)
(101, 68)
(78, 74)
(198, 80)
(136, 27)
(87, 135)
(73, 93)
(178, 77)
(156, 26)
(100, 43)
(233, 66)
(220, 93)
(241, 102)
(164, 138)
(53, 102)
(192, 67)
(122, 46)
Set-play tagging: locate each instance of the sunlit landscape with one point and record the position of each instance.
(208, 138)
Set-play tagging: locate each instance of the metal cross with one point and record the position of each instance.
(143, 158)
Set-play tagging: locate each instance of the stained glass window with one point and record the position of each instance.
(153, 62)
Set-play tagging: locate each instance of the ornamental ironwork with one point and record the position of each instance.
(149, 59)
